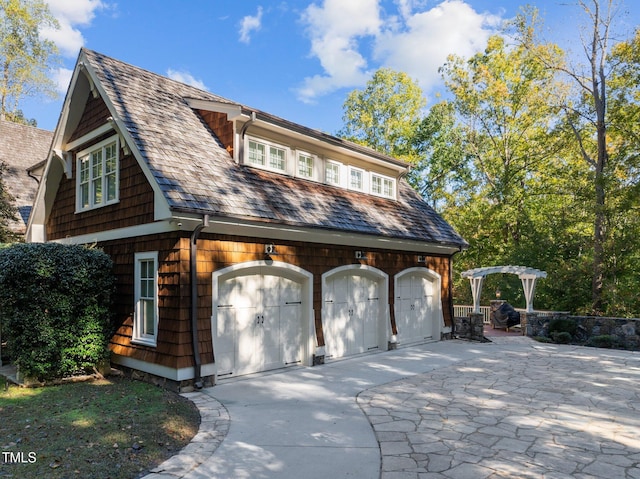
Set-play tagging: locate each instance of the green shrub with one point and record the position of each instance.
(563, 325)
(561, 337)
(603, 341)
(55, 307)
(542, 339)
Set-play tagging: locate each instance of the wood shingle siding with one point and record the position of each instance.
(134, 208)
(216, 252)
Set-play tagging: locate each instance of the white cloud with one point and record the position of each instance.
(249, 24)
(70, 16)
(335, 29)
(186, 77)
(453, 27)
(413, 39)
(61, 77)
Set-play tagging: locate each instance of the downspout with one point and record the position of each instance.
(193, 268)
(243, 130)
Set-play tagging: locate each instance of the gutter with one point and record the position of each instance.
(193, 269)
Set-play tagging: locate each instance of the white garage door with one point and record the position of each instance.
(259, 324)
(414, 307)
(351, 315)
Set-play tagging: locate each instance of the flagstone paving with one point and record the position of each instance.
(544, 412)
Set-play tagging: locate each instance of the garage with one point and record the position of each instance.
(261, 318)
(417, 306)
(354, 315)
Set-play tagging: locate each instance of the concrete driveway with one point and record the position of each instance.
(512, 408)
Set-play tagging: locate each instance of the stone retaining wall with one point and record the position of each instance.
(471, 327)
(624, 331)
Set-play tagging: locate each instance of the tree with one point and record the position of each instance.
(7, 211)
(385, 114)
(25, 58)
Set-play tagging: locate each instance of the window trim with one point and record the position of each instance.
(138, 337)
(382, 193)
(363, 174)
(313, 164)
(86, 154)
(267, 155)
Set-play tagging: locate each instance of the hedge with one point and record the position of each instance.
(55, 308)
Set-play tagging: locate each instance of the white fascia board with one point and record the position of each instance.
(269, 232)
(161, 206)
(232, 110)
(311, 235)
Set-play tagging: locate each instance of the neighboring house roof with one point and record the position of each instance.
(21, 147)
(198, 176)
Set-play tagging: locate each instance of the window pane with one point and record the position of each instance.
(376, 185)
(333, 173)
(256, 153)
(97, 191)
(305, 166)
(356, 179)
(84, 195)
(276, 158)
(148, 322)
(111, 187)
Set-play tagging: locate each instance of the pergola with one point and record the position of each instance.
(527, 275)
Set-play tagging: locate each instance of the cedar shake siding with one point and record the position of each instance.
(216, 252)
(134, 208)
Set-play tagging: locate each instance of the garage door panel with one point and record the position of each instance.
(351, 325)
(259, 323)
(414, 308)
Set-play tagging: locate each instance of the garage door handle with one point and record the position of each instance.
(293, 302)
(373, 299)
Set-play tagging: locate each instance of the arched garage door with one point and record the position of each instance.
(354, 316)
(418, 306)
(261, 317)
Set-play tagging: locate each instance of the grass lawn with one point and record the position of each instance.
(112, 428)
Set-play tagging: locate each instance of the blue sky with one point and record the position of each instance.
(297, 59)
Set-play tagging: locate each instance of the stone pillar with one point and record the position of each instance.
(471, 327)
(529, 323)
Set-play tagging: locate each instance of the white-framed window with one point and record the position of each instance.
(145, 321)
(382, 185)
(332, 172)
(97, 178)
(305, 165)
(267, 155)
(356, 179)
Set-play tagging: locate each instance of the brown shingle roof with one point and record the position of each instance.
(196, 174)
(21, 147)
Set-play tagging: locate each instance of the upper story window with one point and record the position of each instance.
(302, 163)
(332, 173)
(97, 175)
(382, 185)
(267, 155)
(356, 179)
(305, 165)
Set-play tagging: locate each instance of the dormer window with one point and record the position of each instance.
(267, 155)
(97, 175)
(356, 179)
(305, 165)
(382, 186)
(332, 173)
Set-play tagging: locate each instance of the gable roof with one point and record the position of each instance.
(21, 147)
(196, 175)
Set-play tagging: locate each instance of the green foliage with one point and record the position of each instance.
(385, 114)
(561, 337)
(25, 57)
(55, 307)
(7, 211)
(563, 325)
(603, 341)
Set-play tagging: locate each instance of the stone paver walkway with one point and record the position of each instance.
(541, 412)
